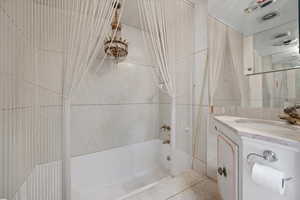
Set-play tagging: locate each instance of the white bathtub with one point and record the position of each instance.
(115, 173)
(107, 175)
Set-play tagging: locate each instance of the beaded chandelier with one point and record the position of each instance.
(114, 45)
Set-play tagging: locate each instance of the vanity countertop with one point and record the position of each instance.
(271, 131)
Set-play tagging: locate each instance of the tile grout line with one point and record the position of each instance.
(185, 189)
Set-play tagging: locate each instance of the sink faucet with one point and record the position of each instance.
(291, 114)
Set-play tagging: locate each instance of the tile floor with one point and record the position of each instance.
(187, 186)
(121, 188)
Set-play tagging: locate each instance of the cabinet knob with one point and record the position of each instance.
(216, 128)
(222, 171)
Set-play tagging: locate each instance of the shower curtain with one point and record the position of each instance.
(235, 41)
(46, 49)
(222, 38)
(216, 55)
(167, 26)
(155, 19)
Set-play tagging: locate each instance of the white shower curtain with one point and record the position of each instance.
(46, 48)
(155, 16)
(85, 34)
(168, 33)
(235, 43)
(30, 126)
(217, 41)
(222, 38)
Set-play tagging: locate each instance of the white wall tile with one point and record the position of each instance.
(127, 83)
(201, 13)
(199, 166)
(200, 79)
(50, 70)
(138, 52)
(116, 105)
(184, 128)
(184, 81)
(200, 127)
(97, 128)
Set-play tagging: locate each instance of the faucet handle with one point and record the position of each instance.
(165, 128)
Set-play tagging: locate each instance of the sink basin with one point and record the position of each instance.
(266, 125)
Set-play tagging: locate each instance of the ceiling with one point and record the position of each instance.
(231, 12)
(131, 16)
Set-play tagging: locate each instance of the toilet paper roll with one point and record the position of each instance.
(268, 177)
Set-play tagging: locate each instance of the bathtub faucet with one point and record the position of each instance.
(165, 128)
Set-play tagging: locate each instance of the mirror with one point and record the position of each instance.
(270, 29)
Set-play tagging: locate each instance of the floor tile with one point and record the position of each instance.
(205, 190)
(169, 187)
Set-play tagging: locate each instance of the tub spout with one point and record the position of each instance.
(167, 142)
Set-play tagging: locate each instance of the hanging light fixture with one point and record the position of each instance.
(114, 45)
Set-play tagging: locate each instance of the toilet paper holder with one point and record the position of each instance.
(270, 156)
(267, 155)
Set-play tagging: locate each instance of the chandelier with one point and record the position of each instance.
(114, 45)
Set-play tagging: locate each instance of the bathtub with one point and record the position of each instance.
(118, 172)
(109, 175)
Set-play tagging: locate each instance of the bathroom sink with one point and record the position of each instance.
(266, 125)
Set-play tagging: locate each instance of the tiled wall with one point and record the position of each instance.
(116, 105)
(30, 79)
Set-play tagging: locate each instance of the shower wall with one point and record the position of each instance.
(116, 105)
(30, 99)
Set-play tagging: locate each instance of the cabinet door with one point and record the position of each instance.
(227, 168)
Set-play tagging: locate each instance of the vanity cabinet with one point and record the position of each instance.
(227, 168)
(228, 153)
(288, 162)
(236, 139)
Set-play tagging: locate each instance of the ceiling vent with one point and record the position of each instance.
(254, 5)
(270, 16)
(281, 35)
(287, 42)
(266, 3)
